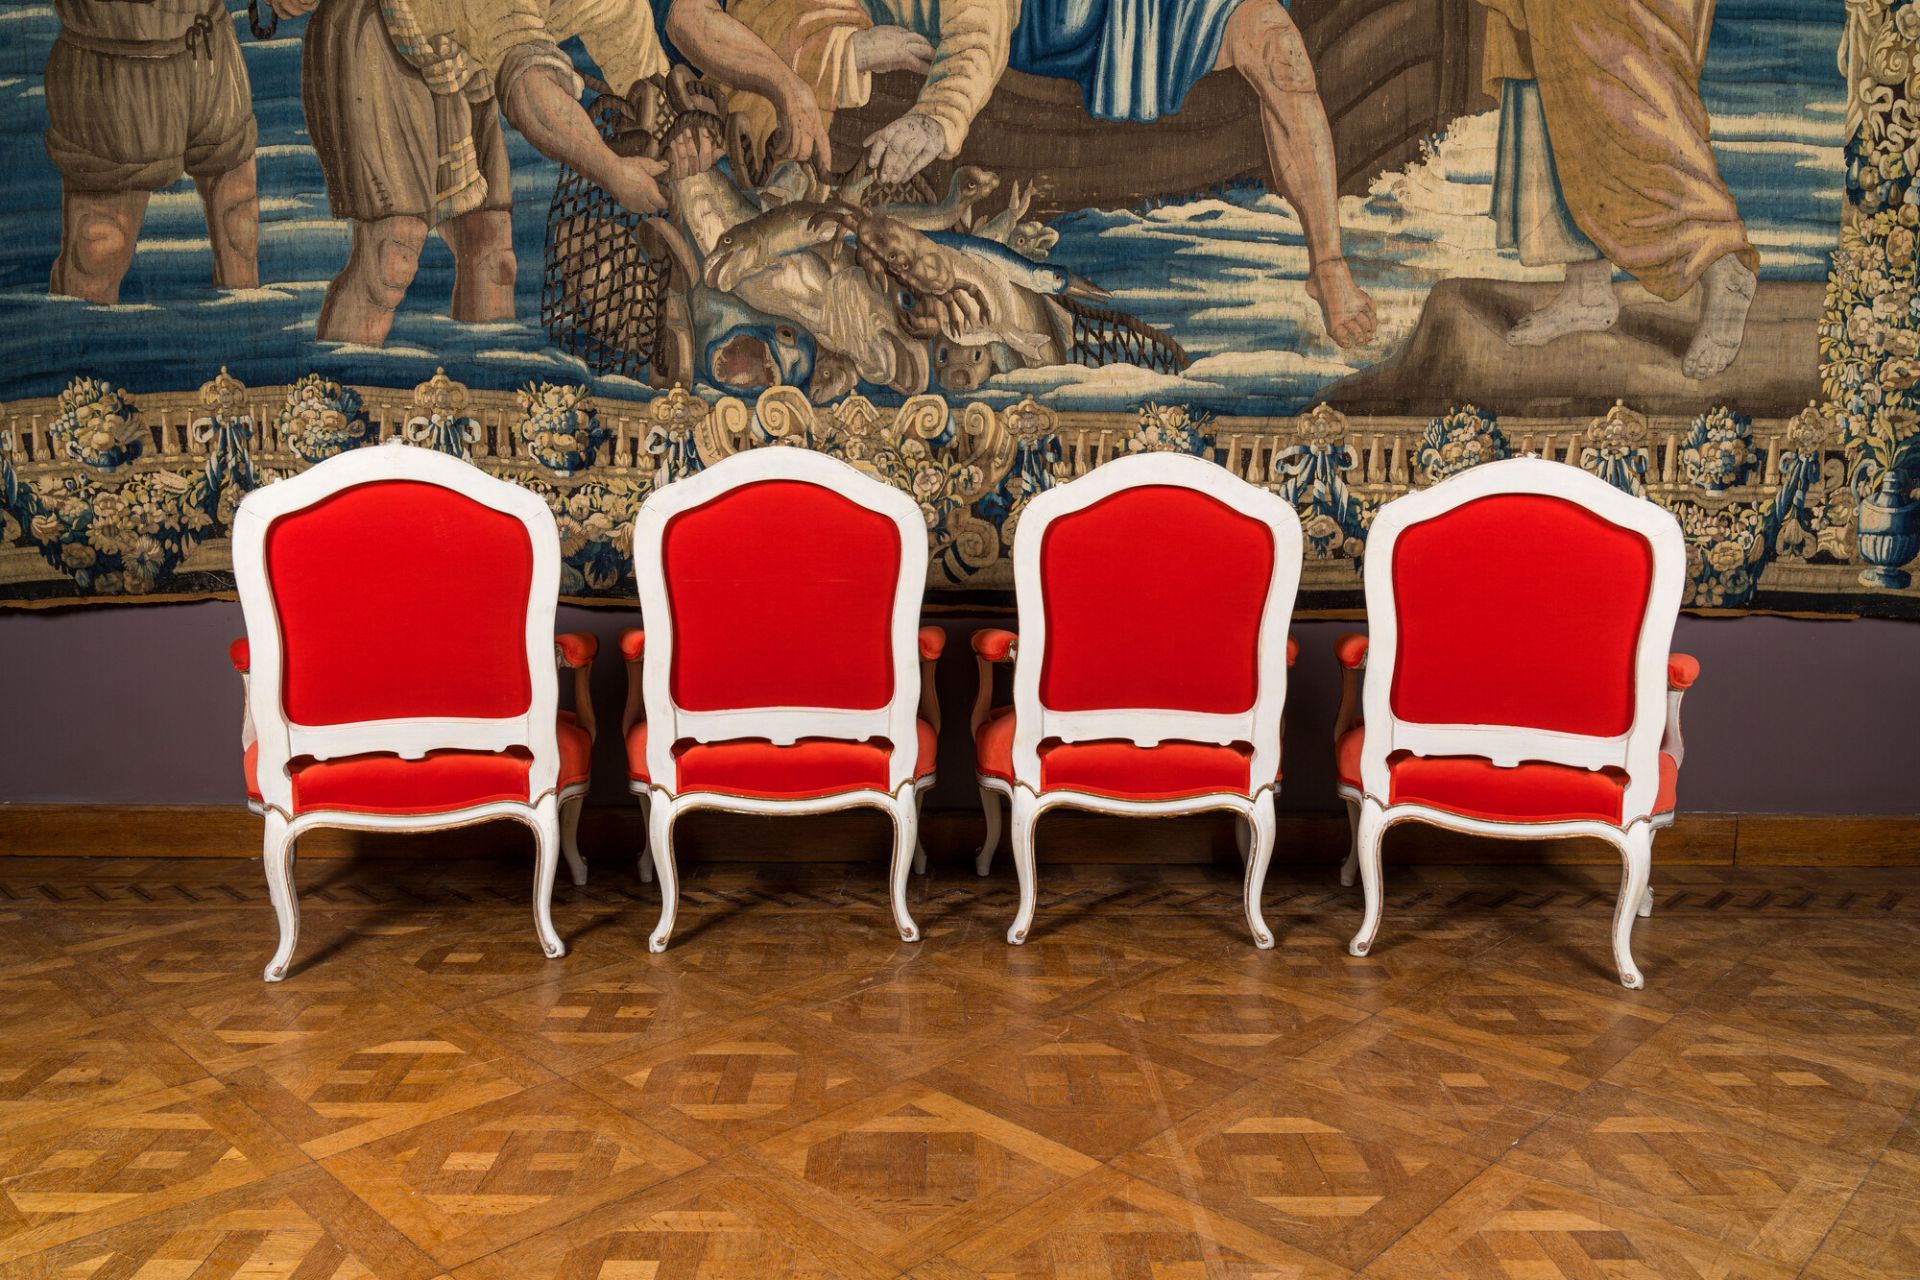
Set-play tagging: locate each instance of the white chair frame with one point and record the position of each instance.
(280, 740)
(1260, 725)
(1656, 710)
(669, 723)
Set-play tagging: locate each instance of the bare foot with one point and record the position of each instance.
(1585, 304)
(1345, 309)
(1726, 291)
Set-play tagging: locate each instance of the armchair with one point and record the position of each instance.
(1517, 680)
(398, 663)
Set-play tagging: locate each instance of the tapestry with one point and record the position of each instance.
(1343, 248)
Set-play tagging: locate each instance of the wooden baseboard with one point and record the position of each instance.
(1700, 839)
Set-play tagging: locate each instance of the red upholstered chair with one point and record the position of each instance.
(781, 671)
(399, 662)
(1517, 681)
(1150, 673)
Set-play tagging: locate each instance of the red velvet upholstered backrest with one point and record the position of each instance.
(782, 594)
(1154, 597)
(1519, 610)
(399, 598)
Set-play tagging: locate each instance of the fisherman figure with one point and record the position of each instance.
(1133, 59)
(137, 96)
(403, 101)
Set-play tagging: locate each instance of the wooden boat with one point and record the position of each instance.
(1392, 74)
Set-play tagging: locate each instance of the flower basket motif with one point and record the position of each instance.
(1615, 449)
(322, 418)
(1726, 551)
(1457, 440)
(118, 537)
(595, 519)
(1312, 475)
(98, 425)
(1718, 452)
(559, 426)
(440, 419)
(1171, 428)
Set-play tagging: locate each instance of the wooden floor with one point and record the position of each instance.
(790, 1091)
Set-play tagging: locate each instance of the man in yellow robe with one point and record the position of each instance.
(1605, 161)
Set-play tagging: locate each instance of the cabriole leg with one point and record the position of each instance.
(276, 852)
(641, 858)
(570, 838)
(1026, 813)
(1636, 854)
(660, 836)
(906, 839)
(1350, 869)
(546, 837)
(1260, 827)
(1366, 848)
(989, 805)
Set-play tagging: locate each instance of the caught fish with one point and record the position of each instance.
(758, 243)
(742, 349)
(969, 185)
(1052, 281)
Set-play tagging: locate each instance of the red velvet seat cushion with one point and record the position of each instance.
(1120, 770)
(1531, 792)
(755, 767)
(439, 782)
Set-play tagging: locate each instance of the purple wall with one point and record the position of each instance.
(138, 706)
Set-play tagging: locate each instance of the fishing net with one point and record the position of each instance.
(1103, 336)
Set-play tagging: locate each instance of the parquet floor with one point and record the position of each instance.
(790, 1091)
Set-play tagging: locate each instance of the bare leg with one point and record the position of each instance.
(232, 203)
(1585, 304)
(1726, 291)
(361, 300)
(483, 265)
(1262, 43)
(98, 230)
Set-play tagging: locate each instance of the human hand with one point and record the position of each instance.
(897, 151)
(635, 182)
(881, 49)
(294, 8)
(802, 132)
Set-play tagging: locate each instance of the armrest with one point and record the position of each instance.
(995, 645)
(1682, 670)
(1351, 650)
(633, 648)
(933, 643)
(576, 649)
(240, 654)
(1293, 651)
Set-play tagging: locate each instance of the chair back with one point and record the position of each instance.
(1522, 611)
(397, 601)
(781, 590)
(1154, 596)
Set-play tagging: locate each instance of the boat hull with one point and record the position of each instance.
(1392, 73)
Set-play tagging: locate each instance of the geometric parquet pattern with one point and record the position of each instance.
(792, 1092)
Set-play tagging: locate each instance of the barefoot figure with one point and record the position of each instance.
(1133, 59)
(403, 100)
(1605, 161)
(137, 95)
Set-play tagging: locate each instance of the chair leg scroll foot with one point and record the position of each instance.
(660, 837)
(1636, 855)
(277, 852)
(1259, 827)
(906, 843)
(1025, 816)
(1368, 830)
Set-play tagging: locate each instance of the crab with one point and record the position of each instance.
(897, 258)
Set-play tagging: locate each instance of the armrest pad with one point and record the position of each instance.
(1293, 651)
(1682, 670)
(993, 644)
(633, 644)
(240, 654)
(933, 642)
(576, 648)
(1351, 649)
